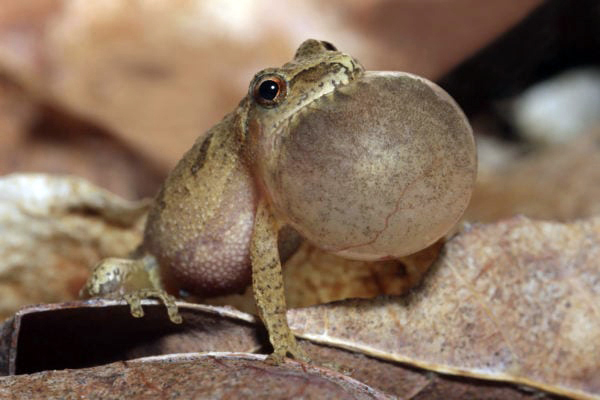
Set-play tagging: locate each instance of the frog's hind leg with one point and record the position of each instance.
(267, 284)
(132, 280)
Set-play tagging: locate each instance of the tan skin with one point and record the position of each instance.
(366, 165)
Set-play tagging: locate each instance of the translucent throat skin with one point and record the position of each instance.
(368, 165)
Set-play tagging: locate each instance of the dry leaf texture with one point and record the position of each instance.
(517, 301)
(314, 276)
(217, 376)
(53, 230)
(528, 185)
(409, 383)
(97, 332)
(160, 73)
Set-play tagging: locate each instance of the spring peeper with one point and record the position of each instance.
(367, 165)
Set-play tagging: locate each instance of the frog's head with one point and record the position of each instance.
(369, 165)
(276, 95)
(318, 68)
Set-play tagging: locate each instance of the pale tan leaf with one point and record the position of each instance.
(516, 301)
(314, 276)
(53, 230)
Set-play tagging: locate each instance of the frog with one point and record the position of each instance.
(367, 165)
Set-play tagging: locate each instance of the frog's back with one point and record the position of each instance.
(200, 225)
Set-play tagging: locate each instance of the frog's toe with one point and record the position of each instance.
(275, 358)
(172, 310)
(135, 304)
(295, 352)
(134, 300)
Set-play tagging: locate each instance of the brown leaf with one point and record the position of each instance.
(69, 215)
(314, 276)
(36, 138)
(561, 182)
(461, 28)
(59, 227)
(159, 89)
(16, 112)
(515, 301)
(84, 334)
(411, 383)
(191, 376)
(48, 213)
(56, 143)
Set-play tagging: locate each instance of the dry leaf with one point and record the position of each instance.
(409, 383)
(53, 230)
(84, 334)
(160, 73)
(314, 276)
(188, 376)
(559, 183)
(515, 301)
(35, 138)
(95, 332)
(435, 36)
(16, 112)
(74, 224)
(541, 282)
(50, 141)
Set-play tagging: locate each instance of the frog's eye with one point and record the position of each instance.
(269, 90)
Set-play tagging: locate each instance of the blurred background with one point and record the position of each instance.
(115, 91)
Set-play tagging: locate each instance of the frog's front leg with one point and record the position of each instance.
(267, 285)
(132, 280)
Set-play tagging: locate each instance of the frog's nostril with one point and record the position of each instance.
(328, 46)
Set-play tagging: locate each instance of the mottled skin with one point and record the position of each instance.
(366, 165)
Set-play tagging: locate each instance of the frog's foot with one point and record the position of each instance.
(130, 279)
(292, 349)
(113, 276)
(134, 299)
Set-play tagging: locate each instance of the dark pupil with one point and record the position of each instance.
(268, 90)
